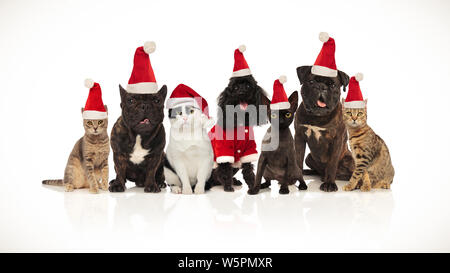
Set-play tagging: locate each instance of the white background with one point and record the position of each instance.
(48, 48)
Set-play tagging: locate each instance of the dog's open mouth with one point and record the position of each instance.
(243, 106)
(145, 121)
(321, 103)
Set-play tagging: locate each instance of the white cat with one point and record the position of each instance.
(189, 152)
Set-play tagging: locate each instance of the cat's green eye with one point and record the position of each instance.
(288, 115)
(273, 116)
(360, 114)
(179, 113)
(100, 122)
(89, 123)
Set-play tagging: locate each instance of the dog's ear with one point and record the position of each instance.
(123, 95)
(293, 100)
(343, 78)
(163, 92)
(302, 72)
(265, 100)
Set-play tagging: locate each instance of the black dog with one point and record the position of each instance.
(241, 94)
(137, 140)
(319, 124)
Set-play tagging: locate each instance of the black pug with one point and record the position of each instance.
(137, 140)
(319, 124)
(242, 93)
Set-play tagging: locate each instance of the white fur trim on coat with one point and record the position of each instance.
(241, 73)
(357, 104)
(323, 71)
(249, 158)
(225, 159)
(280, 105)
(143, 88)
(89, 114)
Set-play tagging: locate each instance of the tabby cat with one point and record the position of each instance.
(87, 166)
(373, 163)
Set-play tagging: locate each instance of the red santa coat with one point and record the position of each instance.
(234, 146)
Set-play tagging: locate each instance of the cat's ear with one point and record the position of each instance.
(163, 92)
(365, 105)
(343, 78)
(106, 108)
(302, 72)
(293, 100)
(82, 110)
(342, 102)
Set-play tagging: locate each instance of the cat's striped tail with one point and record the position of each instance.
(53, 182)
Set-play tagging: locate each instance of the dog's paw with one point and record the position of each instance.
(284, 190)
(175, 189)
(115, 186)
(152, 188)
(139, 184)
(302, 186)
(228, 189)
(348, 187)
(328, 187)
(265, 185)
(236, 182)
(199, 190)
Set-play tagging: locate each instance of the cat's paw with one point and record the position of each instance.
(228, 189)
(284, 190)
(152, 188)
(302, 186)
(93, 190)
(104, 186)
(328, 187)
(186, 190)
(175, 189)
(115, 186)
(162, 185)
(199, 190)
(365, 188)
(69, 187)
(348, 187)
(386, 186)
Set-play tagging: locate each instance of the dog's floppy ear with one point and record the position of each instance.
(343, 78)
(265, 100)
(293, 100)
(302, 72)
(163, 92)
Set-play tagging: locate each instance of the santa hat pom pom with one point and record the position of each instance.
(89, 83)
(242, 48)
(323, 37)
(149, 47)
(359, 76)
(282, 79)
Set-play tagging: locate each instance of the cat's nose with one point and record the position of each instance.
(184, 118)
(355, 118)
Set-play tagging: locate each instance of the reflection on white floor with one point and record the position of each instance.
(218, 221)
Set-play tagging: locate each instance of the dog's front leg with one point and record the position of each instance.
(120, 166)
(248, 174)
(224, 174)
(262, 163)
(150, 184)
(329, 184)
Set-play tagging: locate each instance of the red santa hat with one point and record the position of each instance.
(184, 95)
(279, 99)
(325, 64)
(240, 64)
(142, 80)
(354, 96)
(94, 108)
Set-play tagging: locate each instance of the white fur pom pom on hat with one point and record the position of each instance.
(242, 48)
(149, 47)
(282, 79)
(359, 76)
(323, 37)
(89, 83)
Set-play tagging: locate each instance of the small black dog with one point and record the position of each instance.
(138, 139)
(241, 94)
(319, 124)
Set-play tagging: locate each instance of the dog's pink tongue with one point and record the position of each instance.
(243, 105)
(145, 121)
(321, 104)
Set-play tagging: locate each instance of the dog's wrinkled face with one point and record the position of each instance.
(320, 94)
(142, 112)
(286, 116)
(245, 96)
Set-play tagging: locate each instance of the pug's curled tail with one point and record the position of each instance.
(53, 182)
